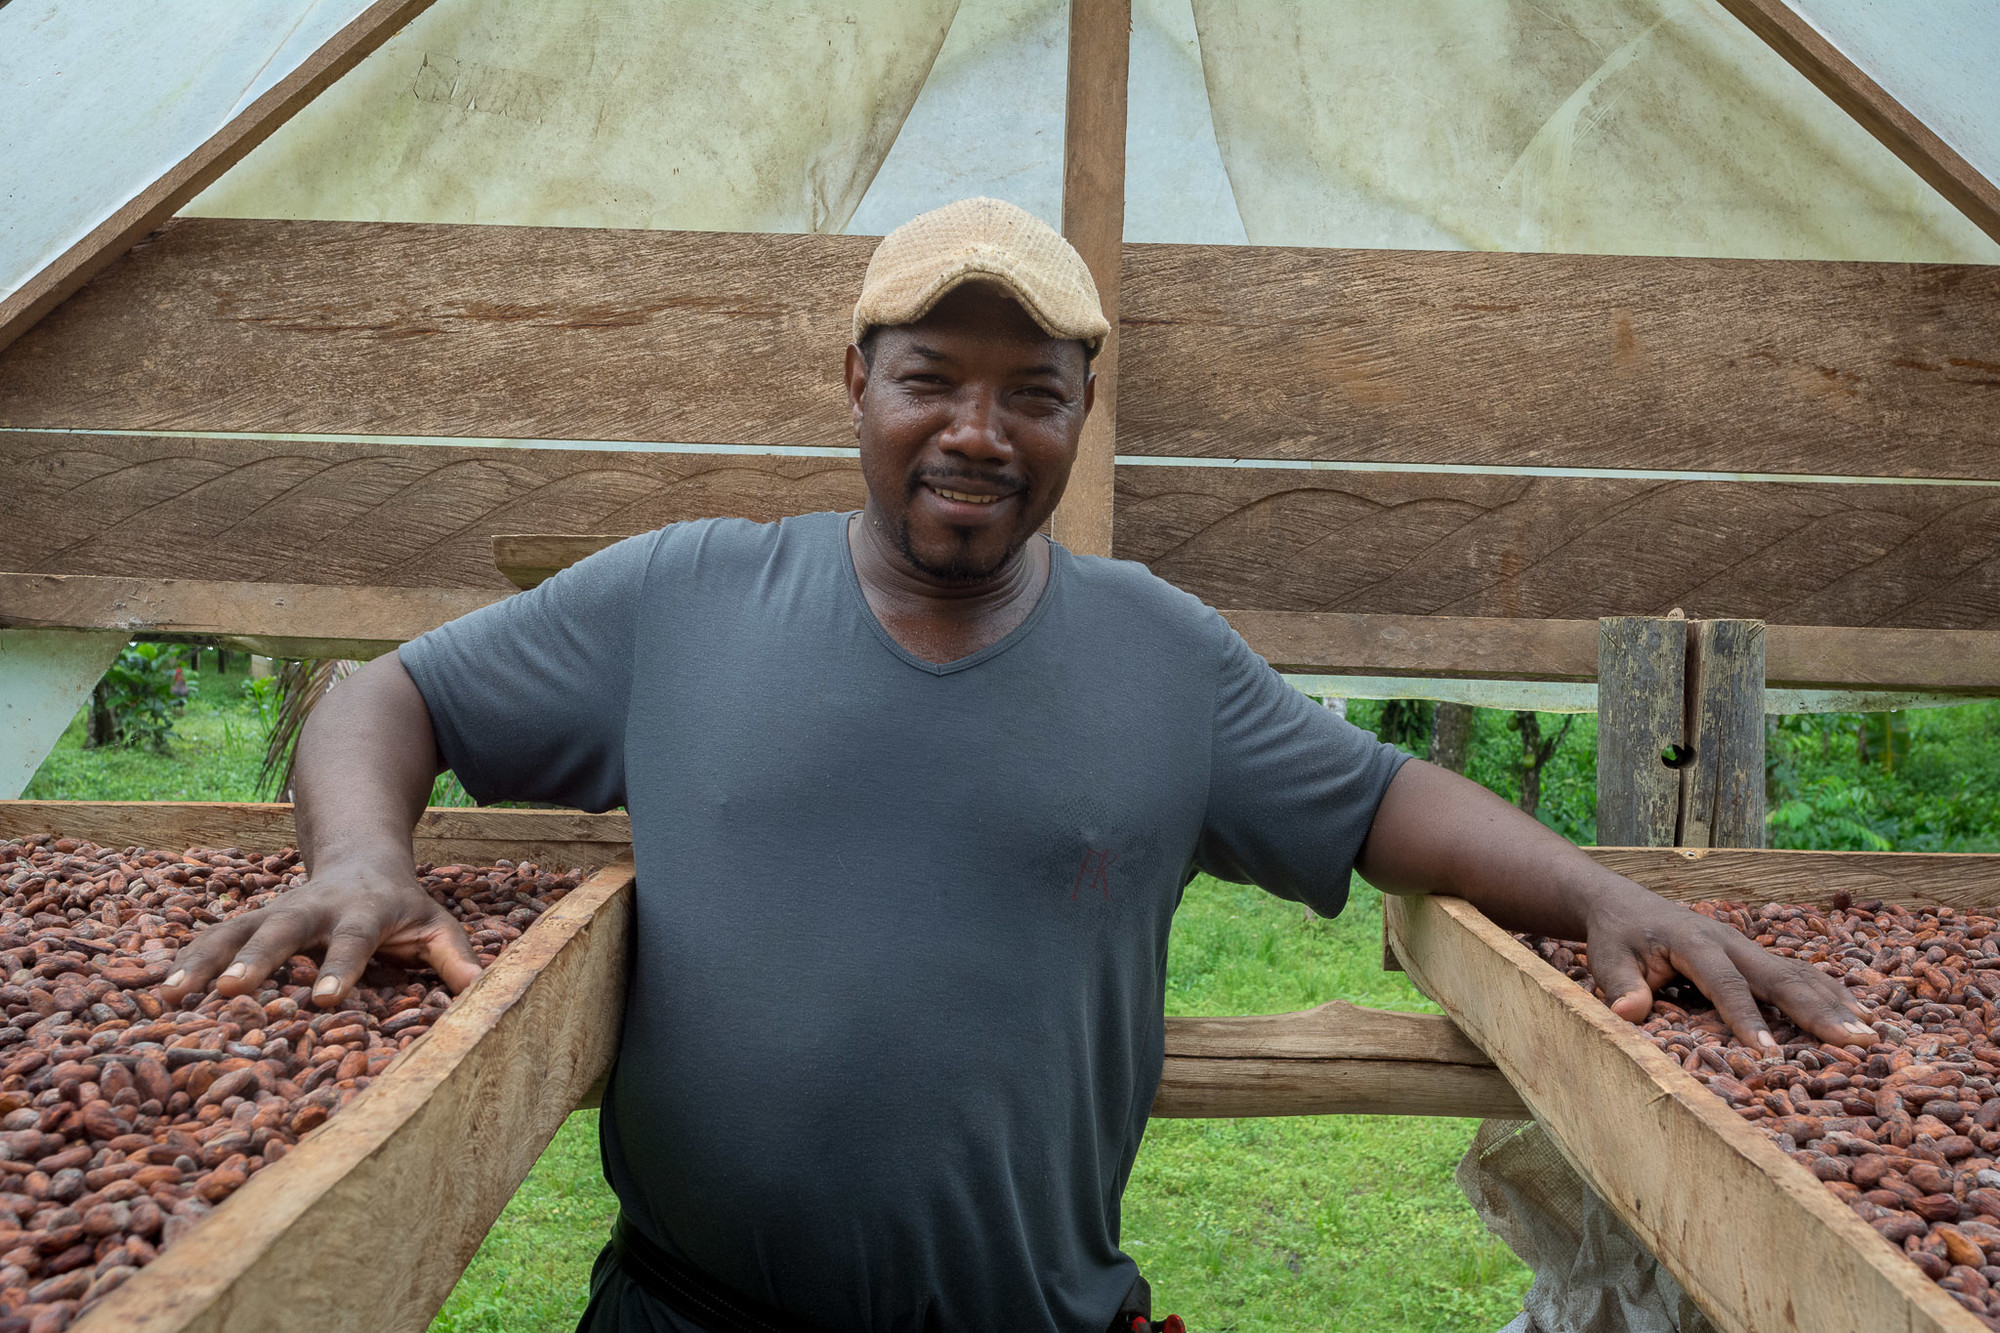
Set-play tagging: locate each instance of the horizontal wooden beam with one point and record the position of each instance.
(1874, 108)
(553, 839)
(1750, 1234)
(438, 1142)
(1567, 548)
(1760, 875)
(1337, 1058)
(1602, 361)
(127, 221)
(275, 619)
(297, 511)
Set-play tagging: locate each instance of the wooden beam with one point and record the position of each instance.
(1470, 647)
(1602, 361)
(1872, 106)
(554, 839)
(145, 211)
(1755, 875)
(1722, 785)
(1750, 1234)
(439, 1142)
(295, 511)
(1335, 1059)
(1567, 548)
(275, 619)
(1100, 47)
(1641, 697)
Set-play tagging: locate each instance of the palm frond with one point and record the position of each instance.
(301, 685)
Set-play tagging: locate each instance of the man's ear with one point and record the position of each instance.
(1089, 391)
(857, 384)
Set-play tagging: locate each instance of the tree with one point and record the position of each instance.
(1535, 754)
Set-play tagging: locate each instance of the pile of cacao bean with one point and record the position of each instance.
(123, 1121)
(1904, 1129)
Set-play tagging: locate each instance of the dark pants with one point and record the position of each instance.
(620, 1305)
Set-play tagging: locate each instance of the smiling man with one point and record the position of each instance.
(914, 795)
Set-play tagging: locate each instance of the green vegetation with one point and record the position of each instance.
(1308, 1222)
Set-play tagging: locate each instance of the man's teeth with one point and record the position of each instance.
(965, 498)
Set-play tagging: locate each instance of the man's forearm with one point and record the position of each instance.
(1437, 832)
(367, 759)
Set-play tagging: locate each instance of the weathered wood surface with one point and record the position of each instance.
(1093, 219)
(406, 329)
(1874, 108)
(553, 839)
(1641, 702)
(1249, 538)
(1757, 875)
(1722, 785)
(275, 619)
(1227, 351)
(1567, 548)
(369, 1222)
(183, 180)
(1753, 1237)
(289, 511)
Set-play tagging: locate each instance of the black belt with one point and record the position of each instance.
(693, 1294)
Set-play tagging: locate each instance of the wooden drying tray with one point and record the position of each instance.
(368, 1224)
(1753, 1237)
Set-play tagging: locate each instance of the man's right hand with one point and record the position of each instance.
(354, 916)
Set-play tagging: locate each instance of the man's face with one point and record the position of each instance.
(968, 422)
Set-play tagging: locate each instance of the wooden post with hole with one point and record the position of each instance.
(1100, 37)
(1680, 732)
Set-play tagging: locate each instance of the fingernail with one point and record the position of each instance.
(1859, 1029)
(1764, 1038)
(237, 970)
(326, 985)
(177, 978)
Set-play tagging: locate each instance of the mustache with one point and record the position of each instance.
(952, 477)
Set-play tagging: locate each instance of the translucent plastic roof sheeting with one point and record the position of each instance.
(1587, 126)
(1939, 58)
(736, 115)
(989, 120)
(102, 97)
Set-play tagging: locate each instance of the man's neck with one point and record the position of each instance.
(943, 620)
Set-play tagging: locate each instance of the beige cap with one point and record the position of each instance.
(916, 264)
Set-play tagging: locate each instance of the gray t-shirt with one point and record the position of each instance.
(895, 1013)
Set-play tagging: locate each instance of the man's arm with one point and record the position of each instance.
(367, 758)
(1436, 832)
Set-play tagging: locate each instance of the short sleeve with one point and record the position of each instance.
(1293, 787)
(528, 696)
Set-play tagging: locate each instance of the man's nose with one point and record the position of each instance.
(976, 430)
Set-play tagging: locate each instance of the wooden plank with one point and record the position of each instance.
(1641, 697)
(188, 177)
(1226, 351)
(1749, 1233)
(407, 329)
(1755, 875)
(275, 619)
(1567, 548)
(1340, 643)
(1334, 1059)
(1093, 218)
(293, 511)
(1562, 361)
(1722, 786)
(553, 839)
(433, 1149)
(1873, 108)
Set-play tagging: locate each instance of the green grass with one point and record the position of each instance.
(218, 744)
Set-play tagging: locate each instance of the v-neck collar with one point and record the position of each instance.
(1013, 636)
